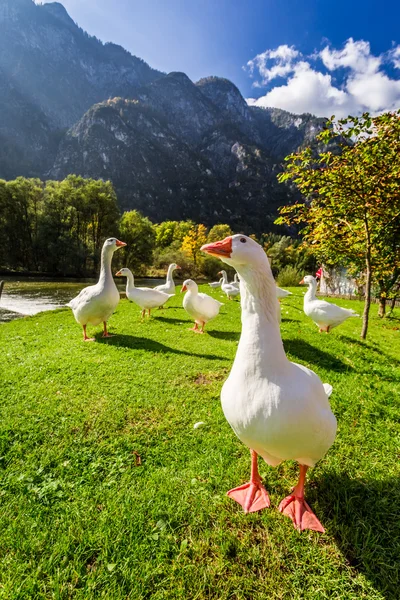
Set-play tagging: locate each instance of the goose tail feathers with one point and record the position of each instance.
(328, 389)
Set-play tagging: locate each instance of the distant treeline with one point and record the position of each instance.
(58, 227)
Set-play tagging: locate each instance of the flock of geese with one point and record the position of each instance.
(279, 409)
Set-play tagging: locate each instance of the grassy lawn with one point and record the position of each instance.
(107, 490)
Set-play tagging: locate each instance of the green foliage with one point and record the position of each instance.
(171, 231)
(56, 227)
(139, 235)
(283, 251)
(218, 232)
(289, 276)
(82, 519)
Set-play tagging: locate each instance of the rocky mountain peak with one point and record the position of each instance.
(59, 11)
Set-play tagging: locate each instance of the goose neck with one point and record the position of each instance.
(105, 265)
(311, 292)
(169, 274)
(259, 304)
(130, 280)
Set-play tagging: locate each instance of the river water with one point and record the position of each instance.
(29, 295)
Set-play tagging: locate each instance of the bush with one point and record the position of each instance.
(289, 277)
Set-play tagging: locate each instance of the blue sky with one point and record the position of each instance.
(315, 55)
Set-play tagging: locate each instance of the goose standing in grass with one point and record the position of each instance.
(169, 286)
(324, 314)
(230, 290)
(146, 298)
(277, 408)
(95, 304)
(216, 284)
(200, 306)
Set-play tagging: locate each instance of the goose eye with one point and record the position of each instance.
(243, 240)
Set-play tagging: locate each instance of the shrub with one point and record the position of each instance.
(289, 277)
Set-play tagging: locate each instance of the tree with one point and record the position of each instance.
(352, 209)
(193, 241)
(218, 232)
(139, 234)
(22, 201)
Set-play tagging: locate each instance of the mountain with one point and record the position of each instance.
(173, 148)
(51, 72)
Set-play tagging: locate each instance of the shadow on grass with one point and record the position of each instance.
(171, 319)
(373, 346)
(139, 343)
(225, 335)
(365, 523)
(283, 320)
(308, 353)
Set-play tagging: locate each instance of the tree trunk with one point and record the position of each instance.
(382, 306)
(367, 302)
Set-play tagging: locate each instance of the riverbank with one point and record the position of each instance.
(108, 491)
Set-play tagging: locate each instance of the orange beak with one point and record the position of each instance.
(120, 244)
(118, 274)
(218, 249)
(178, 267)
(184, 288)
(301, 282)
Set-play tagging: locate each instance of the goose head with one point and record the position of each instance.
(174, 266)
(112, 244)
(124, 272)
(308, 280)
(189, 286)
(237, 251)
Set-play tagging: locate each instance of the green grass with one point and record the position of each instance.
(80, 518)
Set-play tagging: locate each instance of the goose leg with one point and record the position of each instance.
(85, 336)
(105, 332)
(296, 508)
(195, 328)
(251, 496)
(149, 309)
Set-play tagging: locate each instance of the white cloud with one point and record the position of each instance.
(283, 57)
(355, 55)
(365, 86)
(394, 56)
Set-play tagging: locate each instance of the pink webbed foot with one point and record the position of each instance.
(251, 496)
(301, 514)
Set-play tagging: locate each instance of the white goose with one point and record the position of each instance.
(324, 314)
(200, 306)
(95, 304)
(216, 284)
(277, 408)
(230, 290)
(169, 286)
(146, 298)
